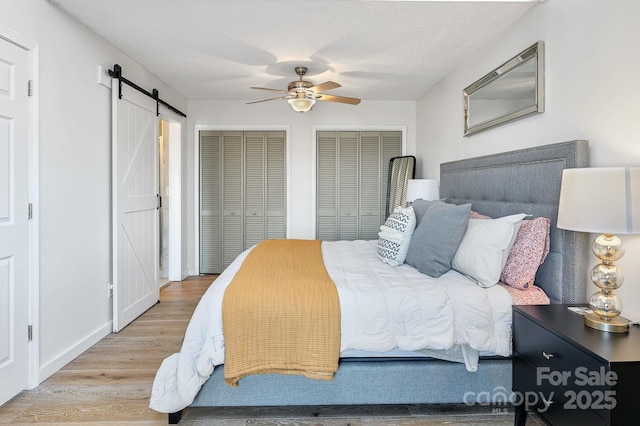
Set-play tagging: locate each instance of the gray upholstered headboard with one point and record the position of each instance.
(527, 181)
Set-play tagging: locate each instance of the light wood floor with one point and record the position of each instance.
(110, 384)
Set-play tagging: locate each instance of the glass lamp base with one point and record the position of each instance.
(614, 325)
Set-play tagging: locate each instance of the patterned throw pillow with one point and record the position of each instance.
(395, 235)
(534, 295)
(527, 254)
(476, 215)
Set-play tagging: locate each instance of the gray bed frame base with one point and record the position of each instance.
(523, 181)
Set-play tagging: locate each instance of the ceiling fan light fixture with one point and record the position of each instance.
(302, 94)
(301, 104)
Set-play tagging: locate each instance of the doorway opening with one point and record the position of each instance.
(170, 202)
(163, 209)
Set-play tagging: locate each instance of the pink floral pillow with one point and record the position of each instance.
(527, 254)
(534, 295)
(476, 215)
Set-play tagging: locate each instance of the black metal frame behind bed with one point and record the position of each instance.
(523, 181)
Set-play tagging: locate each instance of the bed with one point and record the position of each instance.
(523, 181)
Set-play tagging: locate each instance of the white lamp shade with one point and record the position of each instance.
(427, 189)
(600, 200)
(301, 104)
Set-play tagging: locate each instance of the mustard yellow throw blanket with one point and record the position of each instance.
(281, 313)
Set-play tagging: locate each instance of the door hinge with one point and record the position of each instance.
(159, 201)
(30, 88)
(30, 214)
(30, 332)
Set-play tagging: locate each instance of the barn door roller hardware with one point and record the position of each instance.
(117, 73)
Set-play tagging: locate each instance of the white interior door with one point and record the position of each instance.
(135, 205)
(14, 226)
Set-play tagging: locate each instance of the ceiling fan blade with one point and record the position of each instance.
(327, 85)
(265, 100)
(267, 88)
(341, 99)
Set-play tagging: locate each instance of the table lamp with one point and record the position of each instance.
(602, 200)
(427, 189)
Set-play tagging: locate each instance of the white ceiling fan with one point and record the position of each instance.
(303, 94)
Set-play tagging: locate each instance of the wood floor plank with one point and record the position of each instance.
(156, 329)
(12, 409)
(157, 422)
(138, 393)
(190, 289)
(88, 412)
(169, 312)
(100, 376)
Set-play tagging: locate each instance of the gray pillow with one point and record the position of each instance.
(420, 207)
(437, 237)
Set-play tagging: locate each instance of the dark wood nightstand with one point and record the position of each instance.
(571, 374)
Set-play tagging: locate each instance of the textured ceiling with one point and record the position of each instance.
(217, 49)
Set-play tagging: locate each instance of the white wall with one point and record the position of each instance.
(278, 113)
(74, 205)
(591, 76)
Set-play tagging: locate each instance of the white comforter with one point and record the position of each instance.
(383, 308)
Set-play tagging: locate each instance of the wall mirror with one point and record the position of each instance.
(513, 90)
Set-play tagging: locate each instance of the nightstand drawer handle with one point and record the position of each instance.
(546, 355)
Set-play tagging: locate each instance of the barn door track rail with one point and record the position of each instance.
(117, 73)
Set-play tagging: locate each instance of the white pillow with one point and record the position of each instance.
(395, 235)
(485, 247)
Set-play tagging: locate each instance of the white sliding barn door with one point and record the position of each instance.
(14, 226)
(135, 203)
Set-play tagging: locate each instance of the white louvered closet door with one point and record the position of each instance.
(265, 187)
(232, 196)
(276, 185)
(348, 186)
(254, 188)
(327, 186)
(210, 201)
(351, 182)
(242, 193)
(370, 185)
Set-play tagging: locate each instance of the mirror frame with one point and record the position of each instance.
(535, 52)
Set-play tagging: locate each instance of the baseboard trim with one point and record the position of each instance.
(48, 369)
